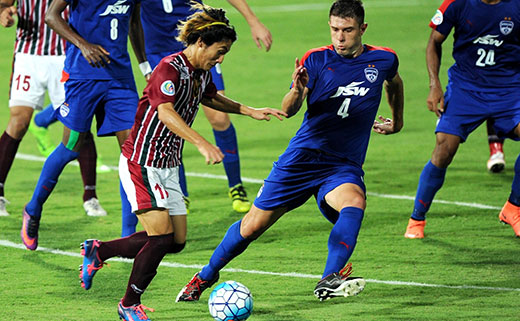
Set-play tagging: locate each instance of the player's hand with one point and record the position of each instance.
(7, 16)
(435, 101)
(300, 76)
(261, 35)
(263, 113)
(96, 55)
(385, 126)
(211, 153)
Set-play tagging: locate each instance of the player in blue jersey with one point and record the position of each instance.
(342, 83)
(484, 83)
(99, 82)
(160, 20)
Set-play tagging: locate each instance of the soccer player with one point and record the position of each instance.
(484, 83)
(99, 82)
(150, 159)
(160, 20)
(342, 83)
(37, 67)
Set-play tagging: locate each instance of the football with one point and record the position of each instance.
(230, 301)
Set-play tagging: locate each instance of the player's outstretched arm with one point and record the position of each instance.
(225, 104)
(259, 32)
(435, 101)
(136, 36)
(395, 96)
(293, 100)
(96, 55)
(7, 13)
(171, 119)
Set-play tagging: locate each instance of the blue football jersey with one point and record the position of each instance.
(160, 20)
(343, 99)
(486, 44)
(105, 23)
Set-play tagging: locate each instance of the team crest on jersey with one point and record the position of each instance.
(116, 8)
(168, 88)
(506, 26)
(437, 18)
(64, 110)
(371, 73)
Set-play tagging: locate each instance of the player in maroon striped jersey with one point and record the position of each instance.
(151, 155)
(37, 66)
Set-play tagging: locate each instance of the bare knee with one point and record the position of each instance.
(445, 148)
(19, 121)
(257, 221)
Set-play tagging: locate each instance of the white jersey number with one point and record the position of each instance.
(113, 28)
(485, 58)
(343, 109)
(167, 5)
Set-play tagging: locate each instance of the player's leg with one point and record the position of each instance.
(46, 117)
(341, 198)
(496, 162)
(87, 160)
(237, 239)
(226, 140)
(19, 119)
(510, 213)
(120, 109)
(38, 127)
(430, 181)
(27, 92)
(52, 168)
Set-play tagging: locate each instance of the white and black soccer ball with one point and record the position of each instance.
(230, 301)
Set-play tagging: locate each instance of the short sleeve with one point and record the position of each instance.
(445, 18)
(393, 68)
(211, 90)
(163, 84)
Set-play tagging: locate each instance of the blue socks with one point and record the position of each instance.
(231, 246)
(128, 219)
(514, 197)
(45, 117)
(51, 170)
(343, 239)
(430, 181)
(227, 142)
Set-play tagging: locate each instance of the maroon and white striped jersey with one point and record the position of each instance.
(176, 81)
(33, 36)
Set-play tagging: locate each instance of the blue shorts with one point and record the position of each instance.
(113, 102)
(216, 72)
(300, 173)
(465, 110)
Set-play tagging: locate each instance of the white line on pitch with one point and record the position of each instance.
(260, 181)
(293, 274)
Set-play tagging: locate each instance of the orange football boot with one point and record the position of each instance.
(510, 214)
(415, 229)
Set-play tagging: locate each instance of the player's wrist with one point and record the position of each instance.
(145, 68)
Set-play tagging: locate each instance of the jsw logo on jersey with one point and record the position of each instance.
(351, 89)
(116, 8)
(489, 40)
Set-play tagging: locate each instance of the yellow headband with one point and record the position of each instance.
(212, 24)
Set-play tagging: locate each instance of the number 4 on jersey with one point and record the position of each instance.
(343, 109)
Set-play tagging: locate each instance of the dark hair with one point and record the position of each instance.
(209, 24)
(348, 9)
